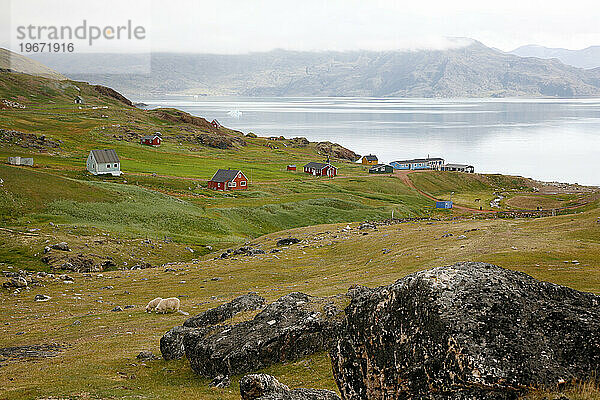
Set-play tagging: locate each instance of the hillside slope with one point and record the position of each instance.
(471, 71)
(18, 63)
(584, 58)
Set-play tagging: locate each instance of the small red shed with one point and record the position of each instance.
(320, 169)
(228, 179)
(291, 167)
(215, 124)
(151, 140)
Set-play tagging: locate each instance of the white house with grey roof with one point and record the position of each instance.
(459, 168)
(102, 162)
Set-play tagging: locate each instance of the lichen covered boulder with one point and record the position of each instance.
(267, 387)
(294, 326)
(171, 344)
(467, 331)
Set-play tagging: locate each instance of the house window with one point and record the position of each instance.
(107, 165)
(232, 184)
(115, 165)
(243, 183)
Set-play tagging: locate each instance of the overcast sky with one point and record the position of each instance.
(239, 26)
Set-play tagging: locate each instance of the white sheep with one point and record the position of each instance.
(166, 305)
(152, 304)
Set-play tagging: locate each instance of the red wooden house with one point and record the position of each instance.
(291, 167)
(228, 179)
(215, 124)
(320, 169)
(151, 140)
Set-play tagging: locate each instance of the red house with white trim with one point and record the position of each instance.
(228, 179)
(320, 169)
(215, 124)
(151, 140)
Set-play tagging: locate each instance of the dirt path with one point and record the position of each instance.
(403, 175)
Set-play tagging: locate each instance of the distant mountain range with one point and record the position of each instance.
(470, 71)
(585, 58)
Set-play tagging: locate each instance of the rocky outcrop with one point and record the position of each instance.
(112, 93)
(171, 344)
(287, 241)
(219, 141)
(244, 250)
(177, 116)
(294, 326)
(299, 142)
(467, 331)
(28, 140)
(247, 302)
(62, 260)
(267, 387)
(337, 151)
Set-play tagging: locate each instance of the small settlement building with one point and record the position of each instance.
(291, 167)
(79, 100)
(20, 161)
(228, 179)
(381, 169)
(459, 168)
(215, 124)
(435, 163)
(320, 169)
(370, 160)
(100, 162)
(151, 140)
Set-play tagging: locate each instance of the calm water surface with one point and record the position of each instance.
(549, 139)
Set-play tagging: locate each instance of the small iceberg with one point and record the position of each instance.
(235, 114)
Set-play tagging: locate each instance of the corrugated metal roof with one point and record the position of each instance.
(151, 137)
(380, 165)
(317, 165)
(458, 165)
(419, 160)
(225, 175)
(371, 157)
(106, 156)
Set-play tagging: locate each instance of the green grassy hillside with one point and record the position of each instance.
(161, 211)
(102, 345)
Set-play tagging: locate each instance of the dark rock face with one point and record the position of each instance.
(247, 302)
(287, 241)
(287, 329)
(267, 387)
(171, 344)
(467, 331)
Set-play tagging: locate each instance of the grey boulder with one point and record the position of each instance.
(267, 387)
(171, 344)
(466, 331)
(289, 328)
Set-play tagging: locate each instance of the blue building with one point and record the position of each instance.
(434, 163)
(443, 204)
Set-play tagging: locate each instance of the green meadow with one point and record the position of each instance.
(161, 211)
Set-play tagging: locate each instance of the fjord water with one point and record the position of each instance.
(547, 139)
